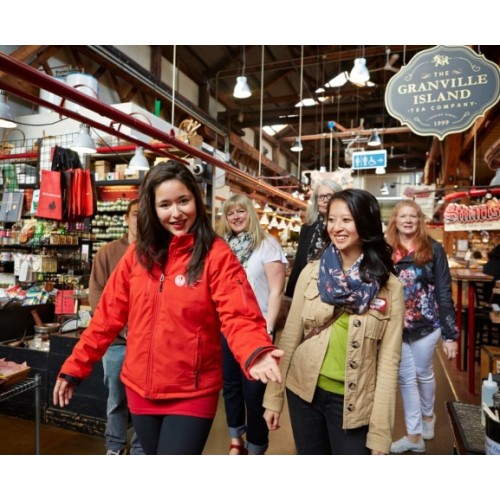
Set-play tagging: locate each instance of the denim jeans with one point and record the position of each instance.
(116, 407)
(317, 426)
(416, 379)
(243, 403)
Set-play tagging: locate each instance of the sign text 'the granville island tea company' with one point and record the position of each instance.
(443, 90)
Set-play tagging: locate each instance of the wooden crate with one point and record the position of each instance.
(490, 360)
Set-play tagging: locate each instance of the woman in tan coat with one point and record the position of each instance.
(341, 376)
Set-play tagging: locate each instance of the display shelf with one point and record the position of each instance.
(21, 387)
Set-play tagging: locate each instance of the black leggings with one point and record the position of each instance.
(172, 434)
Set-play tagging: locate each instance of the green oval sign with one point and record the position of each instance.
(443, 90)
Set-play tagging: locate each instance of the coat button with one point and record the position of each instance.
(350, 407)
(356, 322)
(352, 385)
(355, 344)
(353, 364)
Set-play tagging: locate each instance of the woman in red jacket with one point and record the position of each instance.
(177, 288)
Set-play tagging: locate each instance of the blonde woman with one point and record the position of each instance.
(265, 264)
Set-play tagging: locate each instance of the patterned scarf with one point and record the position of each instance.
(345, 290)
(241, 244)
(317, 241)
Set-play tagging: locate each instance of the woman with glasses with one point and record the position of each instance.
(265, 264)
(311, 233)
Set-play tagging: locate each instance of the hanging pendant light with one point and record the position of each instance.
(274, 222)
(374, 139)
(296, 145)
(83, 142)
(241, 89)
(138, 161)
(7, 118)
(384, 189)
(496, 180)
(359, 73)
(380, 170)
(264, 220)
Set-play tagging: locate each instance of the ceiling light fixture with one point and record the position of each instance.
(384, 189)
(496, 180)
(7, 118)
(380, 170)
(359, 73)
(83, 142)
(274, 222)
(296, 145)
(264, 220)
(241, 89)
(374, 139)
(138, 161)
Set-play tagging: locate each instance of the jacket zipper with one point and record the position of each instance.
(155, 322)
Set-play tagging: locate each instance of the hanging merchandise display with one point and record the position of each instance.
(67, 191)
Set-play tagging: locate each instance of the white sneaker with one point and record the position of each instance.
(428, 428)
(113, 452)
(404, 444)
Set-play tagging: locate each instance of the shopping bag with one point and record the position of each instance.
(89, 194)
(50, 204)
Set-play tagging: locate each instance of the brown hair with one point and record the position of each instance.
(153, 240)
(423, 248)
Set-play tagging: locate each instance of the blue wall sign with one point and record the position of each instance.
(369, 159)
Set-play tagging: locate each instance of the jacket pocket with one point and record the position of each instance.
(376, 326)
(315, 311)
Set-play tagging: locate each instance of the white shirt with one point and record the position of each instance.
(269, 251)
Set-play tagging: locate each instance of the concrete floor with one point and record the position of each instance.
(17, 435)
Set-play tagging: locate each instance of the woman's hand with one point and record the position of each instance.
(63, 392)
(450, 349)
(266, 368)
(272, 419)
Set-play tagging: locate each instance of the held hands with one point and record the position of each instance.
(266, 368)
(272, 419)
(63, 392)
(450, 349)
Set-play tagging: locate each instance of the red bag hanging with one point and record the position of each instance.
(50, 202)
(87, 194)
(77, 193)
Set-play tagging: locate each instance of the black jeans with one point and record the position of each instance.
(317, 426)
(172, 434)
(243, 404)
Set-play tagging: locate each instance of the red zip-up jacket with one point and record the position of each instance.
(173, 343)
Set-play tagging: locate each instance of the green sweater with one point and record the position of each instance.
(332, 374)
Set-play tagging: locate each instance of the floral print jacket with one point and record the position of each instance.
(428, 296)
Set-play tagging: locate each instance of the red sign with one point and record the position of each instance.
(485, 216)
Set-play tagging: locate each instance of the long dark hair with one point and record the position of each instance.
(377, 263)
(152, 239)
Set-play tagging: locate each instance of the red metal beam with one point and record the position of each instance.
(25, 72)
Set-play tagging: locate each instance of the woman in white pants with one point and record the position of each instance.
(422, 266)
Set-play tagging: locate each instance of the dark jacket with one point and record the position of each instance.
(428, 295)
(305, 240)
